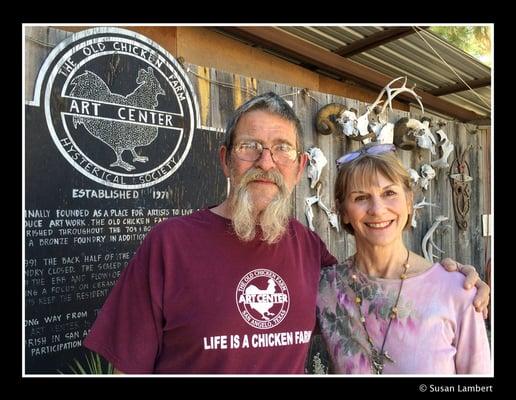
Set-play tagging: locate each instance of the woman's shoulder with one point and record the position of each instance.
(418, 265)
(449, 284)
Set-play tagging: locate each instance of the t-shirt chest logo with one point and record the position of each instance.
(262, 298)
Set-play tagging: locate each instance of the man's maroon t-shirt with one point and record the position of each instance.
(194, 299)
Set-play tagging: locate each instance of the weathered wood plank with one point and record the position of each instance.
(39, 42)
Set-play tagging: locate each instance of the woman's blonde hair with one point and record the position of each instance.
(362, 172)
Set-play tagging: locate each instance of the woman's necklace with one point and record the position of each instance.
(378, 358)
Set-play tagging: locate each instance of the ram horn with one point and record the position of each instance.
(325, 119)
(403, 135)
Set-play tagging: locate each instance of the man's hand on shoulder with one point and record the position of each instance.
(481, 299)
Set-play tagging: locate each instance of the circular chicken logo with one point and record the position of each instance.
(262, 298)
(119, 108)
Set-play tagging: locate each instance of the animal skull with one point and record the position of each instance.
(386, 134)
(424, 137)
(325, 121)
(447, 147)
(409, 133)
(374, 126)
(427, 174)
(403, 136)
(317, 161)
(414, 175)
(367, 126)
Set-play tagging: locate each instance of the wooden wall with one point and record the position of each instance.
(220, 92)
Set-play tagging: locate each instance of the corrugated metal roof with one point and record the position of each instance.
(415, 56)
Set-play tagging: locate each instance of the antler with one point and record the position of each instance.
(361, 128)
(393, 92)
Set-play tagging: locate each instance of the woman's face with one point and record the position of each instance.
(378, 213)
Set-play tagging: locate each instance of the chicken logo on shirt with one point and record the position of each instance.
(262, 298)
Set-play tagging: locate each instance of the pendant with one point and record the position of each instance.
(387, 357)
(378, 361)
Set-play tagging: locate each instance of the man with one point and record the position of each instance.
(229, 289)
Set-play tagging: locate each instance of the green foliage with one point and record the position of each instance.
(474, 40)
(319, 368)
(93, 365)
(318, 360)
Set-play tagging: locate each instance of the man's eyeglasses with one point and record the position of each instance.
(281, 153)
(374, 150)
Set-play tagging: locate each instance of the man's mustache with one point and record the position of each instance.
(259, 174)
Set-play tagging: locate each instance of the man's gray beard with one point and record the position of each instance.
(273, 220)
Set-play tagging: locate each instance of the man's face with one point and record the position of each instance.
(269, 130)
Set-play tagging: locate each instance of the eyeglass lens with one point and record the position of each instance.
(252, 151)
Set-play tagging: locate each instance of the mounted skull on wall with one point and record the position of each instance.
(427, 174)
(325, 120)
(422, 180)
(356, 128)
(317, 161)
(372, 125)
(404, 136)
(411, 133)
(447, 147)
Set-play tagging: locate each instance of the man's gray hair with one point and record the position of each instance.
(269, 102)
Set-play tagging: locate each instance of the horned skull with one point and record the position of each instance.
(404, 136)
(373, 124)
(409, 133)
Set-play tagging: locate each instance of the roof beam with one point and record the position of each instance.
(271, 38)
(374, 40)
(460, 87)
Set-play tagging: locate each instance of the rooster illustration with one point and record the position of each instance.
(118, 135)
(262, 307)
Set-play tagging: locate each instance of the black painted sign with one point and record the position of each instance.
(112, 147)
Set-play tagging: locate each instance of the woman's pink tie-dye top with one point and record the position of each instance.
(437, 330)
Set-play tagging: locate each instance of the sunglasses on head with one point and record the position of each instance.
(373, 150)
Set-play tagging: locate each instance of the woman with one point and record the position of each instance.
(387, 309)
